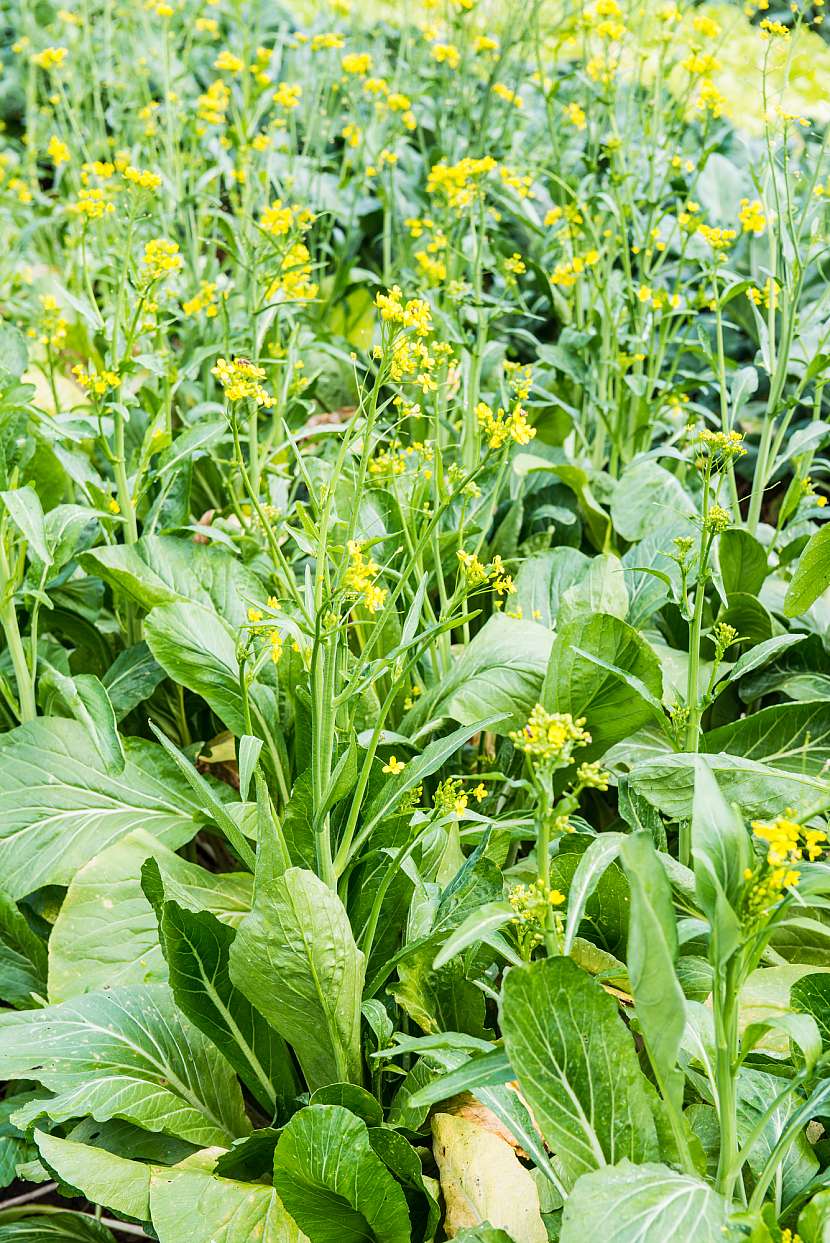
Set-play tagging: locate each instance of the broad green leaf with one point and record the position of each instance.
(102, 1177)
(721, 848)
(196, 648)
(57, 1227)
(643, 1204)
(758, 789)
(577, 1067)
(127, 1053)
(601, 589)
(476, 927)
(482, 1180)
(598, 856)
(26, 512)
(613, 710)
(217, 1210)
(647, 498)
(106, 932)
(88, 701)
(295, 959)
(498, 676)
(131, 678)
(161, 569)
(196, 946)
(59, 807)
(812, 574)
(333, 1184)
(652, 953)
(543, 579)
(792, 736)
(743, 562)
(22, 958)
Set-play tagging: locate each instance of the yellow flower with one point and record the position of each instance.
(394, 766)
(752, 217)
(240, 378)
(57, 151)
(228, 62)
(288, 95)
(446, 54)
(575, 115)
(356, 63)
(160, 259)
(50, 58)
(113, 506)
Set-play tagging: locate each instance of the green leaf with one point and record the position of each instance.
(643, 1204)
(577, 1067)
(812, 574)
(762, 653)
(543, 579)
(58, 1227)
(295, 959)
(743, 562)
(792, 736)
(14, 352)
(197, 649)
(161, 569)
(217, 1210)
(88, 701)
(598, 856)
(759, 790)
(106, 932)
(127, 1053)
(26, 512)
(196, 946)
(498, 676)
(601, 589)
(102, 1177)
(22, 958)
(132, 678)
(333, 1184)
(652, 954)
(721, 848)
(647, 498)
(59, 807)
(574, 684)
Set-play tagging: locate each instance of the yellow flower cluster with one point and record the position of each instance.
(788, 842)
(98, 382)
(240, 378)
(57, 151)
(161, 258)
(213, 104)
(91, 204)
(475, 573)
(752, 216)
(567, 271)
(718, 446)
(499, 427)
(460, 183)
(360, 576)
(203, 301)
(718, 239)
(50, 58)
(294, 277)
(550, 737)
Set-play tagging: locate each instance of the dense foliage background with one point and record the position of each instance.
(414, 599)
